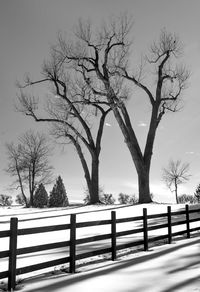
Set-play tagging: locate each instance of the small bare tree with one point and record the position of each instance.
(28, 162)
(175, 174)
(15, 167)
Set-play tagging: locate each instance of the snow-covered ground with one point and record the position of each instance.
(167, 268)
(130, 271)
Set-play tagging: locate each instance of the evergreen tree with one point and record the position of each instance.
(58, 195)
(40, 198)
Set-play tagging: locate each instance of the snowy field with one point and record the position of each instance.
(168, 268)
(36, 217)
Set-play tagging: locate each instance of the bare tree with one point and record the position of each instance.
(102, 58)
(15, 167)
(175, 174)
(28, 162)
(75, 114)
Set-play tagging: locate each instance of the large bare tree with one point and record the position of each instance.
(103, 60)
(75, 112)
(103, 57)
(28, 162)
(175, 174)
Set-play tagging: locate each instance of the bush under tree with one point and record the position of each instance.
(127, 199)
(5, 200)
(197, 193)
(58, 195)
(107, 199)
(86, 200)
(133, 200)
(183, 199)
(40, 198)
(21, 201)
(124, 198)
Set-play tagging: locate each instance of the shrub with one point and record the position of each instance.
(197, 193)
(152, 196)
(107, 199)
(86, 200)
(20, 200)
(127, 199)
(5, 200)
(58, 195)
(40, 198)
(124, 198)
(187, 199)
(133, 200)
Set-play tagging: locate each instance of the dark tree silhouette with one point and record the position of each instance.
(102, 59)
(40, 198)
(58, 195)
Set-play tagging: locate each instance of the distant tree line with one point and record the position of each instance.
(58, 197)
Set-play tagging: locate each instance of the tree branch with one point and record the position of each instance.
(139, 84)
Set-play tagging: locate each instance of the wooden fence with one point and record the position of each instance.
(146, 224)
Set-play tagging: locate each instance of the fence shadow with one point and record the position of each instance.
(68, 281)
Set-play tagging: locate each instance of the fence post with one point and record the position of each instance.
(145, 226)
(12, 254)
(187, 220)
(169, 219)
(113, 235)
(72, 264)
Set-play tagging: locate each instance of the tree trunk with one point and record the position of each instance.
(30, 188)
(176, 190)
(94, 182)
(93, 179)
(31, 199)
(143, 187)
(21, 186)
(142, 166)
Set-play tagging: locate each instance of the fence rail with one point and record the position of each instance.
(145, 227)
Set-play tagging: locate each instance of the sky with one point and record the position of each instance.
(27, 30)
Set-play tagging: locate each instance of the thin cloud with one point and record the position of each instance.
(142, 124)
(189, 152)
(108, 125)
